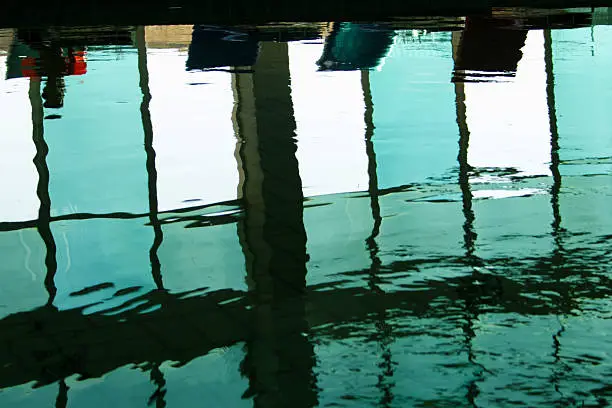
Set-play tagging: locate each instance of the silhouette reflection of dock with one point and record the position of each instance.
(46, 345)
(277, 316)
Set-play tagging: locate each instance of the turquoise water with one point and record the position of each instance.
(324, 225)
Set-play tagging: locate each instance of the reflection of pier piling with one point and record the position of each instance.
(279, 357)
(156, 375)
(554, 140)
(468, 291)
(42, 190)
(558, 255)
(150, 152)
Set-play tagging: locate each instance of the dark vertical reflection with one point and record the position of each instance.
(383, 330)
(554, 139)
(372, 175)
(42, 189)
(280, 357)
(150, 152)
(157, 377)
(468, 291)
(469, 236)
(245, 129)
(557, 231)
(62, 395)
(158, 396)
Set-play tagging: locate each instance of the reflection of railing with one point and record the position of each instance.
(192, 323)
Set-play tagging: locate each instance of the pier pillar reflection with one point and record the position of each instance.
(468, 290)
(279, 356)
(43, 223)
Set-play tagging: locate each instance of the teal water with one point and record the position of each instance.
(384, 220)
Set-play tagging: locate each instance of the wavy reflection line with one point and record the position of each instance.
(469, 235)
(17, 225)
(150, 153)
(554, 138)
(557, 230)
(68, 258)
(156, 376)
(371, 153)
(43, 223)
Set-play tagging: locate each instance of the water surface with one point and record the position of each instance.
(330, 214)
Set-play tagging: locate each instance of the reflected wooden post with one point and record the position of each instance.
(147, 126)
(42, 190)
(469, 235)
(558, 257)
(157, 377)
(554, 137)
(280, 357)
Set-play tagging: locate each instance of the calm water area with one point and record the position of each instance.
(406, 214)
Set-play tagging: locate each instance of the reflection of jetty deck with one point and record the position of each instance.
(135, 12)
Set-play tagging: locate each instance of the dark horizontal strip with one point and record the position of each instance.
(231, 12)
(13, 226)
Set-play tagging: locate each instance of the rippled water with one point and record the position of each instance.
(361, 216)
